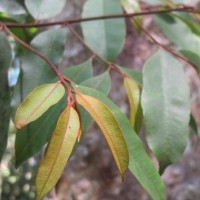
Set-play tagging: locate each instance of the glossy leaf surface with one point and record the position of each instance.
(44, 9)
(31, 139)
(166, 108)
(110, 128)
(38, 102)
(5, 62)
(105, 37)
(58, 151)
(139, 163)
(134, 97)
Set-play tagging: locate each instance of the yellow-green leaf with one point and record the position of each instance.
(134, 96)
(58, 151)
(38, 102)
(110, 128)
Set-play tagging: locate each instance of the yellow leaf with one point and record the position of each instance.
(110, 128)
(58, 151)
(37, 102)
(134, 95)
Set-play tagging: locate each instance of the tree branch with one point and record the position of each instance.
(73, 21)
(53, 67)
(170, 50)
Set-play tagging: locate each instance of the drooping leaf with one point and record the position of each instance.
(101, 83)
(44, 9)
(134, 96)
(38, 102)
(166, 108)
(110, 128)
(100, 35)
(139, 163)
(58, 151)
(5, 62)
(133, 6)
(135, 75)
(30, 139)
(36, 71)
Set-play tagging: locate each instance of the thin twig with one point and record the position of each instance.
(53, 67)
(110, 64)
(170, 50)
(73, 21)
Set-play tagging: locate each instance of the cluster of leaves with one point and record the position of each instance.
(57, 112)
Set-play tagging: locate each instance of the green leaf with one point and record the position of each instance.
(110, 128)
(38, 102)
(35, 135)
(135, 75)
(101, 35)
(79, 73)
(192, 57)
(101, 83)
(58, 151)
(5, 62)
(134, 96)
(36, 71)
(11, 7)
(173, 28)
(44, 9)
(139, 162)
(31, 139)
(189, 21)
(166, 108)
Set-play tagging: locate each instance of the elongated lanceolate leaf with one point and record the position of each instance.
(134, 94)
(35, 71)
(166, 108)
(110, 128)
(5, 62)
(58, 152)
(38, 102)
(105, 37)
(31, 138)
(139, 163)
(44, 9)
